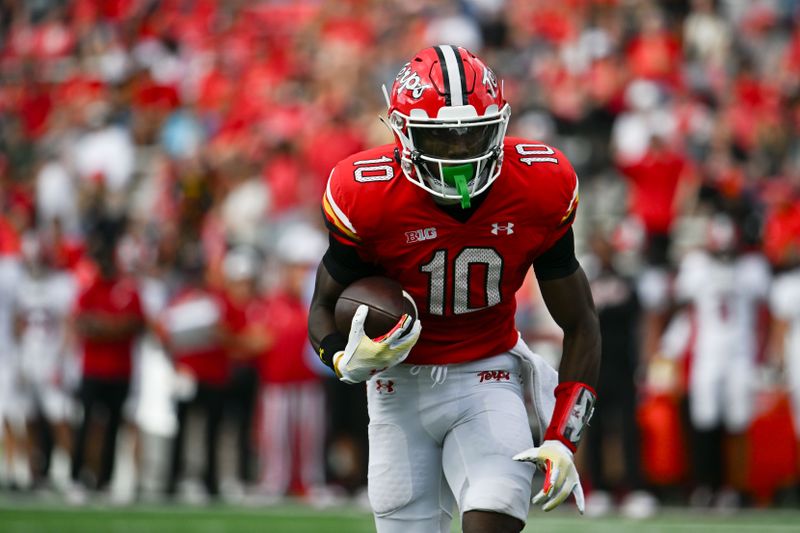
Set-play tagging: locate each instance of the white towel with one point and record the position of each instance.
(541, 380)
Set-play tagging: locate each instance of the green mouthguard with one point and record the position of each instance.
(458, 176)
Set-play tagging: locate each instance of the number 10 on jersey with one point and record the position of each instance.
(459, 272)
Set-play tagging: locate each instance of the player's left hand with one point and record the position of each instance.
(560, 476)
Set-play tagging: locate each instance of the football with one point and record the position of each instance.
(387, 302)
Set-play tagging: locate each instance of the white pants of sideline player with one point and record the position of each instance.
(292, 424)
(445, 435)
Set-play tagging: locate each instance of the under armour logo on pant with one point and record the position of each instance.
(384, 386)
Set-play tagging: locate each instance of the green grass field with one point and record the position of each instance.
(299, 519)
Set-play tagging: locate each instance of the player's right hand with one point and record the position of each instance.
(363, 357)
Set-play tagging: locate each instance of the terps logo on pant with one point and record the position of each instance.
(494, 375)
(384, 386)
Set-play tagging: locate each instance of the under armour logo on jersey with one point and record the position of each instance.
(384, 386)
(420, 235)
(506, 229)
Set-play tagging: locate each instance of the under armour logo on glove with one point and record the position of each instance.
(579, 416)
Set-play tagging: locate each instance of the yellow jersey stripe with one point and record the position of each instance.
(330, 214)
(573, 203)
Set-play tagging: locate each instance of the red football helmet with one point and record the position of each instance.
(449, 118)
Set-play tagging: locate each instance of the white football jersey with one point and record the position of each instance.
(10, 271)
(725, 296)
(784, 302)
(42, 304)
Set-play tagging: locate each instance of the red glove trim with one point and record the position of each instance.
(574, 407)
(548, 483)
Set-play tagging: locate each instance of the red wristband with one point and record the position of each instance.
(574, 408)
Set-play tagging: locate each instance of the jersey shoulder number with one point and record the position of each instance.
(547, 176)
(351, 184)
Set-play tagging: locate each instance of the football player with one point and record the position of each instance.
(43, 299)
(725, 287)
(457, 212)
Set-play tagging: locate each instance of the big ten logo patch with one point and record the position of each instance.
(494, 375)
(384, 386)
(420, 235)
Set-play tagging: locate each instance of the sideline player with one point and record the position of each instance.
(457, 213)
(42, 301)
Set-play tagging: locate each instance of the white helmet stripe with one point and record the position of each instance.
(453, 74)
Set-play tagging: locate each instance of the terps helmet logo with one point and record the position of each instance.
(408, 80)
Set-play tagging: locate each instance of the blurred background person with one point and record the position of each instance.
(42, 301)
(725, 289)
(293, 411)
(614, 433)
(108, 317)
(13, 470)
(784, 301)
(191, 332)
(245, 339)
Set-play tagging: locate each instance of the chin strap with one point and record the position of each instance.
(458, 176)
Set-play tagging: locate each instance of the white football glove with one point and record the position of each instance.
(363, 357)
(560, 476)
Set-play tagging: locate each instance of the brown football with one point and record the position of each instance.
(386, 299)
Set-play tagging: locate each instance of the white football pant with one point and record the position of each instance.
(444, 435)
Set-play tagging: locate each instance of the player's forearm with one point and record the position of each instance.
(570, 303)
(569, 300)
(580, 359)
(321, 324)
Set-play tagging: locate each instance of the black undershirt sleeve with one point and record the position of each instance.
(344, 264)
(558, 261)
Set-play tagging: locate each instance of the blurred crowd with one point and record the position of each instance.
(161, 168)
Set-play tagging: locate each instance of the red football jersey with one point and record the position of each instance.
(462, 275)
(109, 359)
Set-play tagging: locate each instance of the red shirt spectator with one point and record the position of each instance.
(327, 145)
(189, 328)
(285, 361)
(655, 55)
(34, 109)
(782, 232)
(9, 237)
(654, 186)
(285, 175)
(106, 303)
